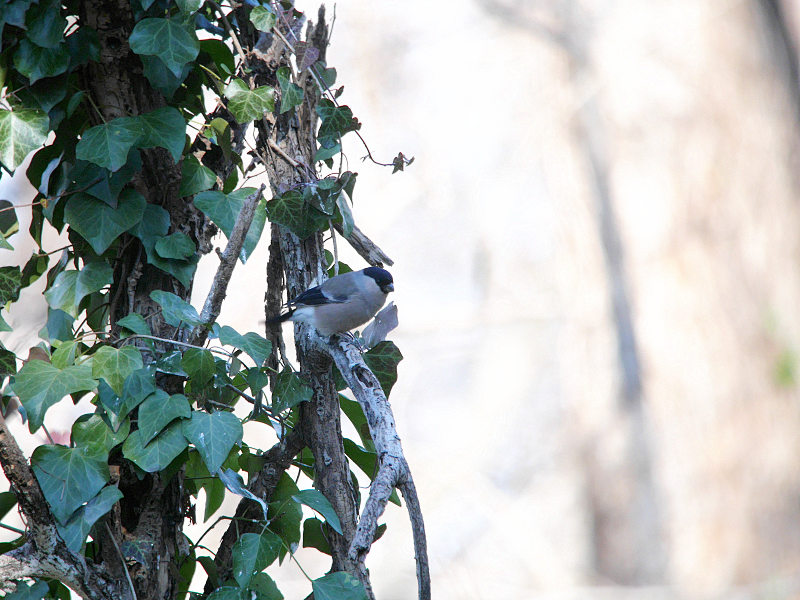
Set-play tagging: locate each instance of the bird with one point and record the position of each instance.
(341, 303)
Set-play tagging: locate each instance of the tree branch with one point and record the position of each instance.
(366, 248)
(44, 554)
(393, 469)
(230, 255)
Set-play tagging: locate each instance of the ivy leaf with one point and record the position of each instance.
(223, 209)
(256, 347)
(114, 365)
(159, 410)
(108, 145)
(138, 386)
(160, 77)
(294, 213)
(345, 215)
(290, 390)
(135, 322)
(93, 277)
(61, 295)
(76, 530)
(8, 223)
(199, 364)
(383, 360)
(253, 553)
(153, 226)
(175, 245)
(262, 18)
(46, 28)
(248, 105)
(264, 587)
(196, 177)
(156, 455)
(336, 121)
(167, 40)
(176, 310)
(8, 362)
(68, 477)
(39, 385)
(213, 435)
(234, 482)
(92, 433)
(291, 93)
(98, 223)
(314, 536)
(285, 514)
(189, 6)
(10, 284)
(163, 127)
(226, 593)
(21, 132)
(338, 586)
(36, 62)
(37, 590)
(316, 501)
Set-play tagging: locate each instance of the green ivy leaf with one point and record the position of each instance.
(10, 284)
(345, 215)
(36, 591)
(314, 536)
(159, 410)
(316, 501)
(76, 530)
(8, 362)
(262, 18)
(39, 385)
(93, 433)
(291, 93)
(336, 121)
(383, 360)
(160, 77)
(135, 322)
(93, 277)
(156, 455)
(167, 40)
(175, 245)
(98, 223)
(248, 105)
(253, 553)
(199, 364)
(46, 28)
(294, 213)
(153, 226)
(234, 482)
(34, 268)
(221, 55)
(138, 386)
(338, 586)
(290, 390)
(21, 132)
(213, 435)
(176, 310)
(68, 477)
(285, 515)
(223, 209)
(226, 593)
(256, 347)
(189, 6)
(108, 145)
(36, 62)
(61, 295)
(196, 177)
(114, 365)
(165, 128)
(264, 587)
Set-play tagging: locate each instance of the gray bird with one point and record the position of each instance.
(341, 303)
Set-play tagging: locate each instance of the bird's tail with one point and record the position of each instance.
(281, 318)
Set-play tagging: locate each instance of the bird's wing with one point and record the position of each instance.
(316, 296)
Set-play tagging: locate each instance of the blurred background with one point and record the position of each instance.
(597, 265)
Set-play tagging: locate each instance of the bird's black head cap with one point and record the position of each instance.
(382, 277)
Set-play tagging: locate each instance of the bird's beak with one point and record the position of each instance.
(389, 287)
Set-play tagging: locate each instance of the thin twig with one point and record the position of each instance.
(230, 255)
(228, 27)
(121, 559)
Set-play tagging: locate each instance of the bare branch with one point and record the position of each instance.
(219, 287)
(366, 248)
(393, 469)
